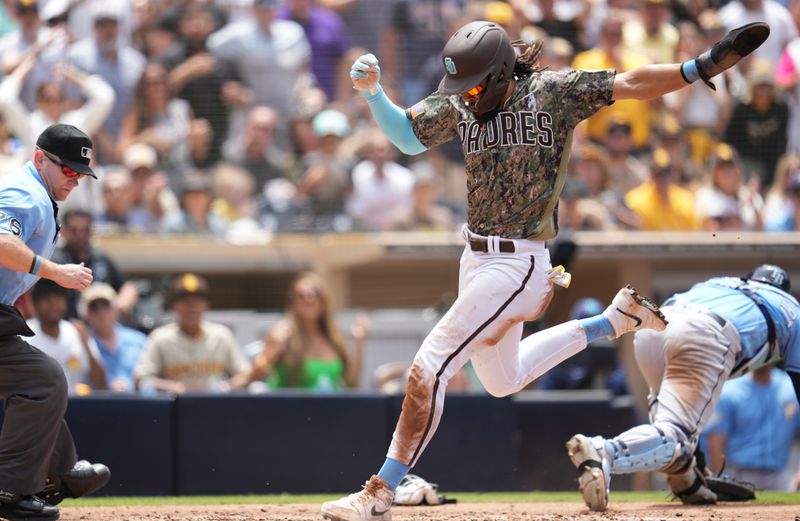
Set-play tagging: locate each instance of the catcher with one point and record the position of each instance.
(719, 329)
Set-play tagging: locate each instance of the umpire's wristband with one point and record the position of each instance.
(35, 264)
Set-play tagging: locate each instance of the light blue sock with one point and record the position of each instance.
(596, 327)
(393, 472)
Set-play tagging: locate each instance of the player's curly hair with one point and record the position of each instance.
(527, 57)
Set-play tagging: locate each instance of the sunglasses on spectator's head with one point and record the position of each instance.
(67, 171)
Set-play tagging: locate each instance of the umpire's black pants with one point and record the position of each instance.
(35, 441)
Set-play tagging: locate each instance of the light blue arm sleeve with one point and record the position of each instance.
(393, 121)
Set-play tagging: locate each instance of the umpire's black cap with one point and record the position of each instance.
(70, 144)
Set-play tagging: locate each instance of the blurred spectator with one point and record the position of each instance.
(782, 208)
(701, 111)
(325, 180)
(191, 353)
(305, 348)
(155, 30)
(660, 203)
(272, 56)
(671, 137)
(625, 170)
(234, 188)
(786, 75)
(195, 214)
(327, 37)
(381, 187)
(781, 26)
(752, 429)
(727, 203)
(120, 214)
(119, 346)
(208, 84)
(365, 20)
(108, 56)
(611, 54)
(417, 29)
(550, 16)
(425, 212)
(12, 153)
(557, 54)
(51, 106)
(27, 38)
(150, 189)
(758, 129)
(255, 149)
(576, 211)
(652, 33)
(66, 341)
(591, 166)
(161, 121)
(77, 247)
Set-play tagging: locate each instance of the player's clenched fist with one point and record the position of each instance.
(365, 73)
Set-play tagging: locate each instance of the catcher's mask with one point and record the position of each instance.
(771, 274)
(479, 54)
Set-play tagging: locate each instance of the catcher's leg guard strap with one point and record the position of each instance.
(695, 486)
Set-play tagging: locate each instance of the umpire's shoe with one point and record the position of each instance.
(83, 479)
(630, 311)
(28, 508)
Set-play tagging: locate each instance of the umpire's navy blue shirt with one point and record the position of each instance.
(28, 212)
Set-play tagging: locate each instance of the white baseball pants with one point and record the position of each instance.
(497, 293)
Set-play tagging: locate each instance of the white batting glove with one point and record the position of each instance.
(366, 73)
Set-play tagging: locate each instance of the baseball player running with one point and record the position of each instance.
(515, 124)
(719, 329)
(38, 464)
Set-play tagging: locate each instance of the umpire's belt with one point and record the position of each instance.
(481, 245)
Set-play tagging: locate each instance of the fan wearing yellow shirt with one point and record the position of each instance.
(659, 202)
(610, 53)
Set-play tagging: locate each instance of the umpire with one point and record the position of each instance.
(38, 462)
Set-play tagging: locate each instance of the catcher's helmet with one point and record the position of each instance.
(479, 51)
(771, 274)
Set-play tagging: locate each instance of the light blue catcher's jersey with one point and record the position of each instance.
(724, 296)
(27, 212)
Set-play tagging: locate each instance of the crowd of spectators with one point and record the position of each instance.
(236, 118)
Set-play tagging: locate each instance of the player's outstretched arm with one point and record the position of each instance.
(365, 74)
(652, 81)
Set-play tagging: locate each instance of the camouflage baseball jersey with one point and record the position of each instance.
(516, 162)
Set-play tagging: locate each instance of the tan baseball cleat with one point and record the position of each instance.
(371, 504)
(595, 476)
(630, 311)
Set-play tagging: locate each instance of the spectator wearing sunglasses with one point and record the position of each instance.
(51, 106)
(36, 442)
(119, 346)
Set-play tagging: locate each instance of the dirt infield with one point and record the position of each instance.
(458, 512)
